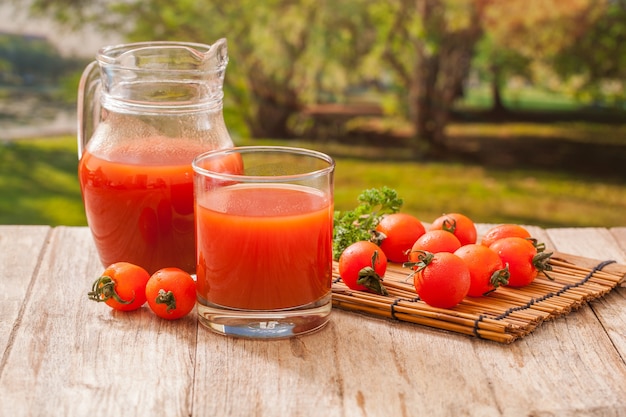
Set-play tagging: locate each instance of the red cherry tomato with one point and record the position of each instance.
(121, 286)
(442, 279)
(504, 230)
(435, 241)
(459, 224)
(510, 230)
(399, 232)
(487, 271)
(522, 258)
(362, 266)
(171, 293)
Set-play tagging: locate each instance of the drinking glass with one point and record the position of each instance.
(264, 219)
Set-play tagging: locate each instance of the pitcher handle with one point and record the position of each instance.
(88, 105)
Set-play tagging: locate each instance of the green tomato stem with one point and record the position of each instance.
(103, 289)
(167, 298)
(369, 278)
(540, 261)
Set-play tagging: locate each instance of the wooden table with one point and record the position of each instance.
(62, 355)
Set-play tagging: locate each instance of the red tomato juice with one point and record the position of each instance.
(264, 247)
(140, 213)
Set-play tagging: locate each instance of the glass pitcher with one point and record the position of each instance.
(145, 110)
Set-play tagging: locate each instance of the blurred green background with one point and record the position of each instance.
(507, 111)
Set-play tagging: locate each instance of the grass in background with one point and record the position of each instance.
(39, 182)
(581, 132)
(39, 185)
(522, 97)
(545, 198)
(487, 195)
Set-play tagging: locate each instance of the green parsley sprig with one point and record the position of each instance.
(359, 224)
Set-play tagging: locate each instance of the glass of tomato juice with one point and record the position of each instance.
(264, 219)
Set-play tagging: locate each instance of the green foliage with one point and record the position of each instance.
(595, 63)
(286, 55)
(32, 61)
(545, 198)
(517, 97)
(39, 182)
(357, 224)
(492, 60)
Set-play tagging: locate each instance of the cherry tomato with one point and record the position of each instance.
(121, 286)
(460, 225)
(398, 232)
(362, 266)
(435, 241)
(171, 293)
(510, 230)
(522, 258)
(442, 279)
(487, 271)
(504, 230)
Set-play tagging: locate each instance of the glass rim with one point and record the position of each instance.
(264, 178)
(108, 55)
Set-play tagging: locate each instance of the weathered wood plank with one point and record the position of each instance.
(20, 247)
(602, 244)
(357, 366)
(592, 242)
(619, 233)
(365, 366)
(72, 357)
(568, 366)
(69, 356)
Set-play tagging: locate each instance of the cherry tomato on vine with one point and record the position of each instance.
(504, 230)
(441, 279)
(434, 241)
(121, 286)
(523, 259)
(397, 233)
(362, 266)
(487, 271)
(171, 293)
(459, 224)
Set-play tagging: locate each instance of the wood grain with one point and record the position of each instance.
(20, 248)
(67, 356)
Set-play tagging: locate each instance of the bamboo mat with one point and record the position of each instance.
(504, 315)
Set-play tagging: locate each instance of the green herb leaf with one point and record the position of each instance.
(359, 224)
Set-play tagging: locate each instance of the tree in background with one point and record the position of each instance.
(286, 54)
(594, 62)
(428, 45)
(30, 61)
(283, 53)
(548, 42)
(497, 65)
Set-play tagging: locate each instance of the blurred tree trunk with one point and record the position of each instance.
(441, 70)
(497, 106)
(275, 106)
(272, 55)
(286, 54)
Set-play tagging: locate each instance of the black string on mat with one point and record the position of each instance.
(397, 301)
(532, 301)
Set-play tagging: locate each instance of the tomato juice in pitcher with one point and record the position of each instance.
(145, 111)
(140, 212)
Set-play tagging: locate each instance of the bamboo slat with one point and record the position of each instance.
(504, 315)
